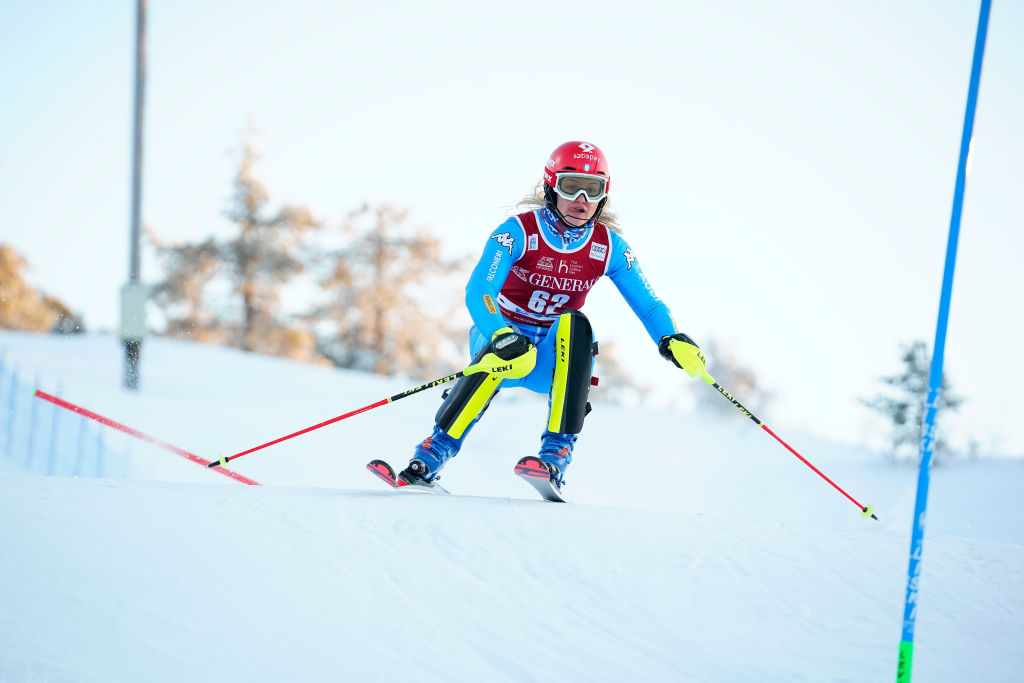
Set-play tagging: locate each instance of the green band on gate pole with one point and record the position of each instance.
(906, 659)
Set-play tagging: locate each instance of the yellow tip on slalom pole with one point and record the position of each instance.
(868, 511)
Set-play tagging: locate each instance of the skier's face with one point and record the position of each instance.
(576, 211)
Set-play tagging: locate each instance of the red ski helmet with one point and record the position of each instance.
(577, 157)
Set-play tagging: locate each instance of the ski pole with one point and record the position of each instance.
(866, 510)
(57, 401)
(377, 404)
(492, 363)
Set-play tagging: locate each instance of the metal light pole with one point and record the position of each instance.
(133, 293)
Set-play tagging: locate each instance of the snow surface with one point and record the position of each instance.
(723, 559)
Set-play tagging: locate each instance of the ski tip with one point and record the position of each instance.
(535, 473)
(532, 467)
(384, 471)
(379, 466)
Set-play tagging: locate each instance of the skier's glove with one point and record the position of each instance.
(683, 351)
(512, 356)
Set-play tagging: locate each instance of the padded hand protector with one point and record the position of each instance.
(683, 351)
(511, 356)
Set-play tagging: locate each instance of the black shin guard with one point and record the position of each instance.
(467, 400)
(570, 386)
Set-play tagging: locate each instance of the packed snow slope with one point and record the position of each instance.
(696, 549)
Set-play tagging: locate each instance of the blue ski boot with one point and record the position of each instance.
(556, 453)
(431, 455)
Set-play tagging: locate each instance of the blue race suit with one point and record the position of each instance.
(509, 244)
(552, 266)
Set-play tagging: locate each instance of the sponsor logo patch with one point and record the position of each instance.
(561, 284)
(494, 266)
(545, 263)
(598, 251)
(489, 302)
(505, 239)
(532, 243)
(567, 267)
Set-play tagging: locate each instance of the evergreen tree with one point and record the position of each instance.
(252, 266)
(389, 308)
(903, 405)
(182, 294)
(261, 257)
(387, 304)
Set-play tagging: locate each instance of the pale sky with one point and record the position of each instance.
(784, 171)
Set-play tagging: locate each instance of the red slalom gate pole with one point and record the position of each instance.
(138, 435)
(384, 401)
(866, 510)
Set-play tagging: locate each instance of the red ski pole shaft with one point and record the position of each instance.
(377, 404)
(138, 435)
(866, 510)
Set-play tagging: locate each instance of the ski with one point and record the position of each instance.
(535, 473)
(530, 469)
(387, 474)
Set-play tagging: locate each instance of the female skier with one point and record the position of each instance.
(525, 296)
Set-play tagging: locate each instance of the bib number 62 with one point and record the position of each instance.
(547, 303)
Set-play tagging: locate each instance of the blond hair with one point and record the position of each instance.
(535, 200)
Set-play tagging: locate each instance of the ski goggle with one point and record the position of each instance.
(570, 185)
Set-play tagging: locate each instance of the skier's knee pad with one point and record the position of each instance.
(574, 344)
(467, 400)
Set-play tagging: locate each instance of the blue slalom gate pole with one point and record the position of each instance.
(906, 653)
